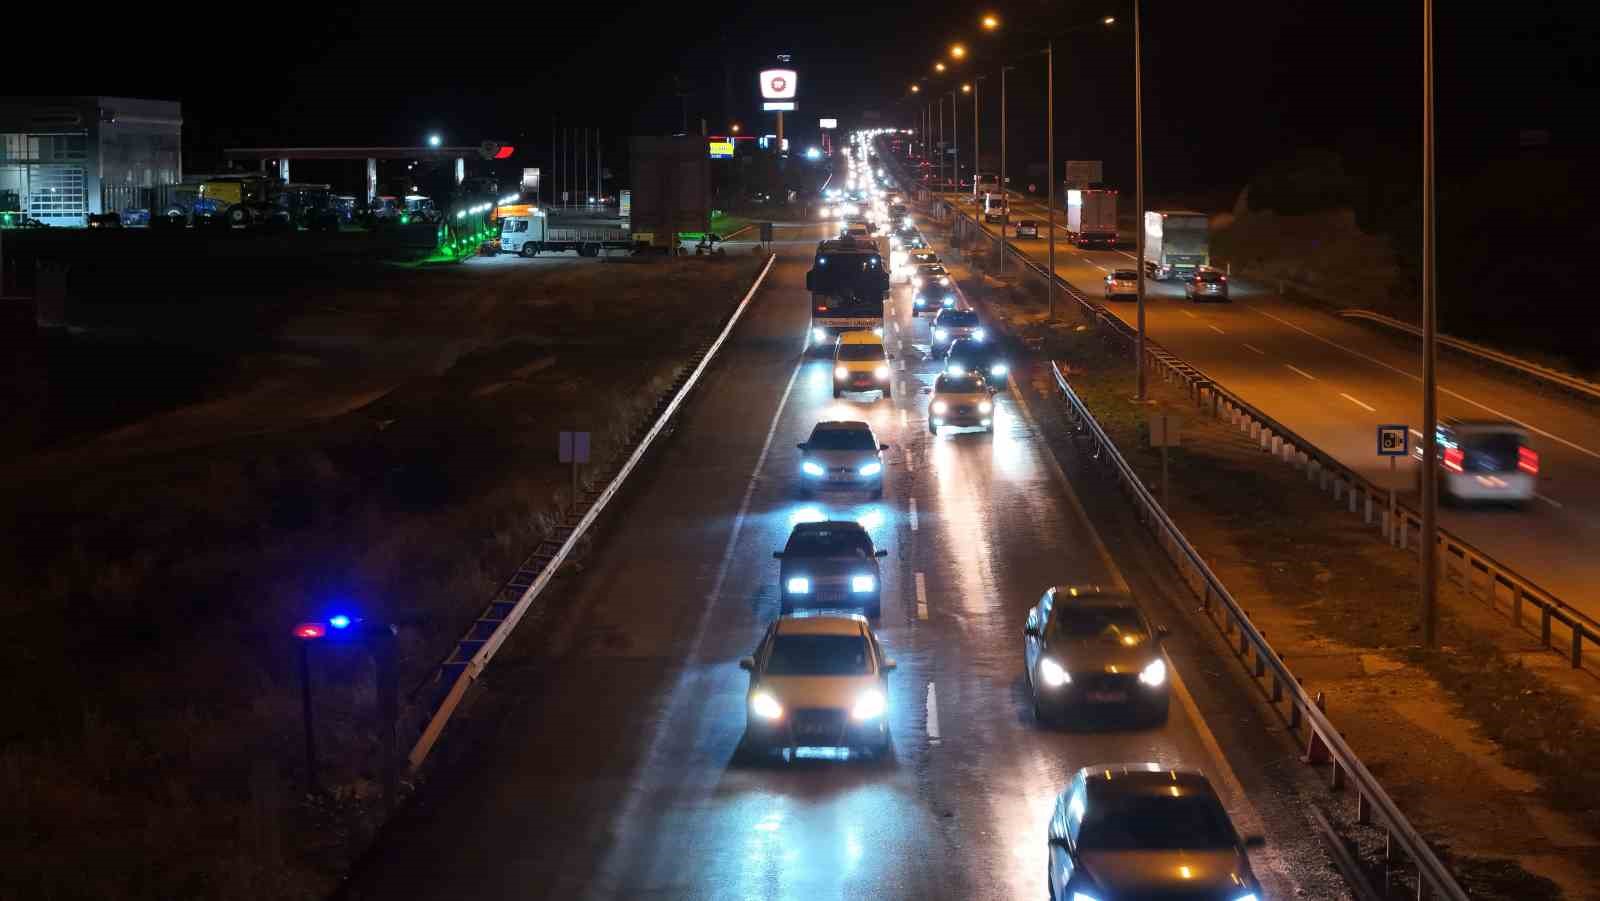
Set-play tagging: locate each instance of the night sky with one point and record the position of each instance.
(1230, 87)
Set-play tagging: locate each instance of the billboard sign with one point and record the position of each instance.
(778, 84)
(782, 106)
(530, 181)
(830, 123)
(1083, 173)
(722, 150)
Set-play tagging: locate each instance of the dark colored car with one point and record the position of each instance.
(1142, 830)
(1206, 284)
(983, 357)
(950, 325)
(1086, 649)
(829, 565)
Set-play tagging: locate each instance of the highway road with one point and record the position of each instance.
(599, 762)
(1334, 381)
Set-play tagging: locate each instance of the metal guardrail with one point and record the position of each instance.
(1304, 714)
(1554, 376)
(474, 651)
(1479, 574)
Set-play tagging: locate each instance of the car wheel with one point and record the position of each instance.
(529, 250)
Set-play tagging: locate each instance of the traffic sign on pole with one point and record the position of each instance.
(1394, 440)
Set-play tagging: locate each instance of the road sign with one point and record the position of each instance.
(778, 84)
(1164, 429)
(574, 447)
(1394, 440)
(778, 106)
(1083, 173)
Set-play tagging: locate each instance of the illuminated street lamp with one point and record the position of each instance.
(734, 128)
(434, 140)
(991, 22)
(957, 51)
(938, 67)
(916, 89)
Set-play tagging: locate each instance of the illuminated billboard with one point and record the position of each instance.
(778, 84)
(830, 123)
(721, 150)
(781, 106)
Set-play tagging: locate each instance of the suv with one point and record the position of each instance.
(841, 453)
(983, 357)
(960, 401)
(951, 325)
(829, 564)
(1122, 283)
(1087, 649)
(1206, 283)
(1483, 460)
(817, 681)
(861, 364)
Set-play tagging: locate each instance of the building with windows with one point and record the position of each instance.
(65, 158)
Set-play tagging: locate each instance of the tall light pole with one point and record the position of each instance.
(976, 161)
(955, 139)
(1005, 211)
(1430, 325)
(1050, 172)
(941, 141)
(1138, 190)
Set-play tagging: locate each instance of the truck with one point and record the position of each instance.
(528, 231)
(994, 207)
(1092, 217)
(671, 184)
(985, 183)
(848, 282)
(1176, 243)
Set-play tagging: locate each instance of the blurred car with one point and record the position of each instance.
(915, 242)
(860, 363)
(830, 565)
(856, 230)
(1206, 284)
(1087, 649)
(923, 257)
(981, 356)
(930, 275)
(1484, 461)
(1142, 830)
(950, 325)
(841, 454)
(960, 401)
(1027, 228)
(933, 298)
(817, 681)
(1122, 283)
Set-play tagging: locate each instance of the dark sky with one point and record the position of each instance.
(1229, 86)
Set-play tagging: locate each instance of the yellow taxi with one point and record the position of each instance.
(860, 363)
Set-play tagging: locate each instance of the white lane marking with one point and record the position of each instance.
(1417, 433)
(1190, 315)
(1551, 501)
(1442, 390)
(1128, 255)
(933, 713)
(912, 505)
(905, 422)
(1298, 371)
(922, 597)
(1369, 409)
(1256, 349)
(1215, 329)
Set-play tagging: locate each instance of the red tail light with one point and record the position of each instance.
(1528, 460)
(822, 309)
(1453, 458)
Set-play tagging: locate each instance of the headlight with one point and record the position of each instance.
(882, 372)
(1248, 896)
(1052, 673)
(940, 334)
(979, 334)
(998, 369)
(878, 331)
(871, 469)
(919, 301)
(870, 705)
(1155, 673)
(841, 373)
(916, 280)
(907, 221)
(984, 406)
(949, 300)
(813, 468)
(955, 369)
(765, 706)
(819, 335)
(799, 585)
(1080, 896)
(940, 406)
(862, 584)
(944, 279)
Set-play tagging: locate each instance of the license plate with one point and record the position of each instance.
(840, 477)
(1108, 697)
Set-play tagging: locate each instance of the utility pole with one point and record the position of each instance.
(977, 82)
(1005, 185)
(1428, 540)
(1138, 192)
(1050, 175)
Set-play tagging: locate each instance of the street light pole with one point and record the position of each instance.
(1430, 324)
(1005, 211)
(977, 81)
(1050, 173)
(941, 141)
(1138, 192)
(955, 138)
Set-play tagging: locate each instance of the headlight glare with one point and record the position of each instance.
(813, 468)
(765, 706)
(799, 585)
(1155, 673)
(949, 300)
(940, 334)
(862, 584)
(871, 469)
(819, 335)
(955, 369)
(940, 406)
(1051, 673)
(979, 334)
(882, 372)
(1247, 896)
(840, 372)
(870, 705)
(998, 369)
(985, 406)
(1080, 896)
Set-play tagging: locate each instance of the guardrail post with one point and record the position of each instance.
(1516, 604)
(1544, 626)
(1363, 808)
(1368, 516)
(1337, 485)
(1277, 688)
(1577, 646)
(1352, 497)
(1404, 524)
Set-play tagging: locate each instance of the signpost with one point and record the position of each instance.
(1394, 442)
(1164, 428)
(778, 89)
(574, 449)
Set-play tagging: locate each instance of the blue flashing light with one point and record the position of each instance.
(339, 621)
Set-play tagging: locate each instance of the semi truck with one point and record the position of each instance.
(671, 184)
(528, 231)
(1092, 217)
(1176, 243)
(848, 282)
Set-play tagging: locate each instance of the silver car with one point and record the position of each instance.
(841, 454)
(1206, 284)
(829, 565)
(1122, 283)
(818, 681)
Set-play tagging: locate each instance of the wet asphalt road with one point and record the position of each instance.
(598, 761)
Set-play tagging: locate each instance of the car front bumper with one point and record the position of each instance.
(1503, 487)
(817, 727)
(1100, 692)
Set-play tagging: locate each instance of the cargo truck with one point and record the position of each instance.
(528, 231)
(671, 190)
(1092, 217)
(1176, 243)
(848, 282)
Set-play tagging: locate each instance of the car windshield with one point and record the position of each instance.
(834, 439)
(1124, 275)
(1155, 823)
(1210, 276)
(958, 318)
(1492, 452)
(860, 352)
(959, 384)
(829, 543)
(1106, 625)
(818, 655)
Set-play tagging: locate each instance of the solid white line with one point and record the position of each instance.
(1301, 372)
(933, 713)
(1417, 433)
(1551, 501)
(1358, 403)
(1256, 349)
(1190, 315)
(922, 597)
(1215, 329)
(912, 514)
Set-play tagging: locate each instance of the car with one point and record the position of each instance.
(1027, 228)
(841, 453)
(960, 401)
(860, 363)
(1144, 830)
(923, 257)
(856, 230)
(1122, 283)
(1484, 461)
(897, 211)
(978, 355)
(829, 564)
(1089, 650)
(932, 298)
(914, 242)
(1206, 283)
(818, 681)
(951, 324)
(930, 277)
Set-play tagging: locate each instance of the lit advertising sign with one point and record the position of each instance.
(778, 84)
(830, 123)
(781, 106)
(721, 150)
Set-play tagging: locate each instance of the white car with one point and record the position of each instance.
(960, 401)
(1122, 283)
(818, 681)
(1485, 461)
